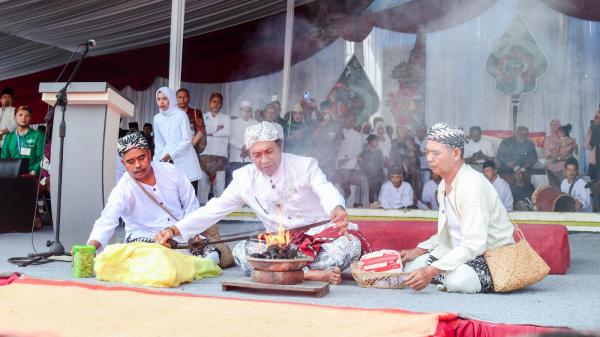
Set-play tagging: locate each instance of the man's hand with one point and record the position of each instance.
(411, 254)
(420, 278)
(95, 243)
(339, 217)
(578, 205)
(164, 236)
(166, 158)
(220, 127)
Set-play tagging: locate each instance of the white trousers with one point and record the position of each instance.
(204, 186)
(463, 279)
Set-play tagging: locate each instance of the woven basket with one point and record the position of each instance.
(226, 257)
(387, 280)
(515, 266)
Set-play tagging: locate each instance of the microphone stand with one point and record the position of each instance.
(55, 248)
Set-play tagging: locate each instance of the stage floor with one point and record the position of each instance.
(571, 300)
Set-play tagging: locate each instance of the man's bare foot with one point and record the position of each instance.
(333, 276)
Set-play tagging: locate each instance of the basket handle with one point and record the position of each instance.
(518, 230)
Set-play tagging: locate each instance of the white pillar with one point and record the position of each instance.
(287, 56)
(176, 44)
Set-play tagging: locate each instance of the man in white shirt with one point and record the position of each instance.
(478, 150)
(238, 154)
(575, 186)
(396, 193)
(347, 167)
(283, 190)
(429, 196)
(7, 113)
(503, 188)
(140, 195)
(214, 158)
(471, 220)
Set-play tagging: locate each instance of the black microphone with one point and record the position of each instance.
(89, 43)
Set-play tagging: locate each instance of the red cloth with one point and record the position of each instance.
(550, 241)
(310, 245)
(475, 328)
(4, 280)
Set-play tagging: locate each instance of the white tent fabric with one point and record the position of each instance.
(36, 34)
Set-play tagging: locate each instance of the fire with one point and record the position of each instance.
(281, 239)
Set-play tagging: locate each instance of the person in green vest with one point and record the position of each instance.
(24, 142)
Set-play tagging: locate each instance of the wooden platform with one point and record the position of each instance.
(311, 288)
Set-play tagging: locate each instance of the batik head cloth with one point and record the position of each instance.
(134, 140)
(447, 134)
(261, 132)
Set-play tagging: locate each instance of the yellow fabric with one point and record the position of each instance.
(151, 264)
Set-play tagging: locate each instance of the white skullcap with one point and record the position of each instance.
(261, 132)
(245, 104)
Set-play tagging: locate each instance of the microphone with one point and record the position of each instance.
(89, 43)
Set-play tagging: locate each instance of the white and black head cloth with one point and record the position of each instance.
(261, 132)
(130, 141)
(448, 134)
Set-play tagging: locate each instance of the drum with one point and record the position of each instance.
(551, 199)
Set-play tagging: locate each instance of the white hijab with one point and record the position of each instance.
(385, 143)
(173, 107)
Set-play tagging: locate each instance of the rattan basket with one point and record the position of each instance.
(387, 280)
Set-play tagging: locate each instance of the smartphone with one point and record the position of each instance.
(307, 96)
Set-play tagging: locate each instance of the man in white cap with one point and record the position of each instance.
(149, 197)
(287, 190)
(471, 220)
(238, 154)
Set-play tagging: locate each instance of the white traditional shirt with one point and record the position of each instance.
(350, 148)
(429, 195)
(579, 192)
(172, 135)
(7, 119)
(453, 224)
(298, 186)
(485, 146)
(236, 139)
(391, 197)
(216, 144)
(142, 217)
(504, 192)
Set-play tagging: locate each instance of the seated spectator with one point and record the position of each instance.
(371, 163)
(521, 190)
(396, 193)
(347, 167)
(575, 186)
(24, 142)
(137, 195)
(502, 187)
(516, 151)
(238, 154)
(429, 196)
(478, 150)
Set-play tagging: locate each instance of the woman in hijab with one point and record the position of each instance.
(173, 137)
(385, 142)
(296, 132)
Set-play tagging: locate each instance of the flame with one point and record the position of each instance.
(281, 239)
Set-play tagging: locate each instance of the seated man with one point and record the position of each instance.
(471, 220)
(501, 186)
(282, 189)
(575, 186)
(429, 196)
(522, 189)
(396, 193)
(24, 142)
(517, 150)
(149, 197)
(478, 150)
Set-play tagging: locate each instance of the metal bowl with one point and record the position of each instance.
(278, 264)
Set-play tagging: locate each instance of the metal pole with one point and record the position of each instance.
(287, 56)
(176, 44)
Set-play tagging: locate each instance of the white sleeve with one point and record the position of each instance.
(407, 197)
(384, 198)
(329, 196)
(159, 140)
(215, 210)
(583, 195)
(186, 136)
(225, 131)
(187, 196)
(116, 207)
